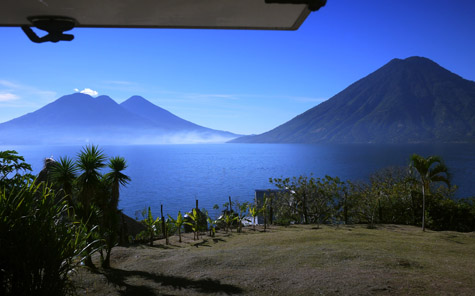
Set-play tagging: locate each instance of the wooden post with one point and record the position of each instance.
(197, 222)
(164, 228)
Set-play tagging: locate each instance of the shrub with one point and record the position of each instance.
(39, 244)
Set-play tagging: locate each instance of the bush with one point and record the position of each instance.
(39, 245)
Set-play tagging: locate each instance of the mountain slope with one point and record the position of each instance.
(78, 110)
(405, 101)
(165, 119)
(79, 118)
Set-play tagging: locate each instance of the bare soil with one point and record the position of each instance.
(294, 260)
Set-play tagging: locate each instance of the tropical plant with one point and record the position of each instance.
(117, 178)
(212, 224)
(229, 219)
(178, 223)
(241, 216)
(13, 170)
(63, 174)
(425, 172)
(263, 209)
(151, 224)
(195, 219)
(254, 212)
(90, 160)
(39, 244)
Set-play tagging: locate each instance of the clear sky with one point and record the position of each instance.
(241, 81)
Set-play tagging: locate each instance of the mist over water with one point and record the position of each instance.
(109, 136)
(176, 175)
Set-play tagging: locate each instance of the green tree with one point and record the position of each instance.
(13, 170)
(427, 171)
(297, 195)
(90, 160)
(117, 178)
(111, 213)
(368, 202)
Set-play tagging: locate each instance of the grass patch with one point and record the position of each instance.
(295, 260)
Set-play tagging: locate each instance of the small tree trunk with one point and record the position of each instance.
(345, 209)
(423, 208)
(304, 208)
(265, 219)
(106, 263)
(271, 211)
(380, 211)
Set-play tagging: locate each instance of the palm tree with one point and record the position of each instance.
(63, 173)
(90, 160)
(428, 170)
(117, 178)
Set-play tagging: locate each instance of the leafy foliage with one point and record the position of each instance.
(178, 222)
(14, 171)
(152, 225)
(195, 226)
(39, 243)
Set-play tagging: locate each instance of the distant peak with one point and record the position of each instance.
(420, 60)
(417, 58)
(103, 97)
(75, 96)
(414, 62)
(136, 100)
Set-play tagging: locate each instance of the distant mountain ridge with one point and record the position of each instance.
(79, 118)
(406, 101)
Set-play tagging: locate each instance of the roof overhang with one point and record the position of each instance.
(206, 14)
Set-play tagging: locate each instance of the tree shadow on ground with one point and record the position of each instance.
(204, 243)
(119, 277)
(164, 246)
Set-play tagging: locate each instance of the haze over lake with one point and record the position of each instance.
(176, 175)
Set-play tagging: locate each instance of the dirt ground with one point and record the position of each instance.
(295, 260)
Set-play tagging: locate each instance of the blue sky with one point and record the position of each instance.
(241, 81)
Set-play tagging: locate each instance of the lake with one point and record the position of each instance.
(176, 175)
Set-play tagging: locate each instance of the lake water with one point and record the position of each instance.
(176, 175)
